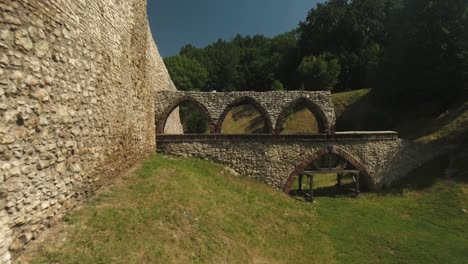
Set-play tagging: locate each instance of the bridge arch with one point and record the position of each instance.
(322, 120)
(367, 181)
(161, 119)
(245, 100)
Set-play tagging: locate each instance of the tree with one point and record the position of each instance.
(187, 74)
(194, 120)
(277, 86)
(425, 54)
(248, 63)
(353, 31)
(319, 73)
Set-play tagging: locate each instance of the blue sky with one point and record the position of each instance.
(175, 23)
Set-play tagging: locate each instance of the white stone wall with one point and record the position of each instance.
(77, 87)
(273, 106)
(385, 160)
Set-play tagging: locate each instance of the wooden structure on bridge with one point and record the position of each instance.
(329, 164)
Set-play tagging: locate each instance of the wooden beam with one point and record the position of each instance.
(336, 170)
(311, 187)
(301, 176)
(357, 184)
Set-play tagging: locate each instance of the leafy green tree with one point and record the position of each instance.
(286, 58)
(277, 86)
(187, 74)
(425, 55)
(319, 72)
(194, 121)
(247, 63)
(353, 31)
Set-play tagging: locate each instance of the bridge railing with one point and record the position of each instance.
(339, 136)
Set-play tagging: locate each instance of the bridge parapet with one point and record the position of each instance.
(381, 157)
(273, 106)
(339, 136)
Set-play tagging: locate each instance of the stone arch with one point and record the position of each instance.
(161, 119)
(317, 111)
(366, 177)
(247, 100)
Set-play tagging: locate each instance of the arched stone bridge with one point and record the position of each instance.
(273, 106)
(379, 157)
(277, 160)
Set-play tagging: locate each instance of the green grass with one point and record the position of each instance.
(341, 101)
(246, 119)
(243, 119)
(179, 210)
(301, 121)
(356, 110)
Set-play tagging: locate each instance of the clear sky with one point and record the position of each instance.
(175, 23)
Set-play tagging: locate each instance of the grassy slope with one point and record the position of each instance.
(176, 210)
(246, 119)
(185, 210)
(243, 119)
(355, 111)
(302, 121)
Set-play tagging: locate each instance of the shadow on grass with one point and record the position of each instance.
(411, 123)
(345, 191)
(421, 178)
(258, 125)
(364, 115)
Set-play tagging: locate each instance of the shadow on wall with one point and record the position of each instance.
(452, 166)
(365, 116)
(423, 177)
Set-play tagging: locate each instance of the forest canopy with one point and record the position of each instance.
(406, 50)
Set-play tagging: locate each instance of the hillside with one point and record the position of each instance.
(246, 119)
(178, 210)
(355, 111)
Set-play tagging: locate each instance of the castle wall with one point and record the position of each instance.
(77, 99)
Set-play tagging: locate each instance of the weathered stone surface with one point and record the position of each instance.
(381, 161)
(77, 87)
(273, 106)
(23, 40)
(41, 48)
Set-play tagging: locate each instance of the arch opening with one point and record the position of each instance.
(331, 172)
(302, 116)
(244, 116)
(193, 116)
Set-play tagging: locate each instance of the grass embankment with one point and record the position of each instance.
(177, 210)
(355, 110)
(245, 119)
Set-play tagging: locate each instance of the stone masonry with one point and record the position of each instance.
(77, 89)
(273, 106)
(277, 160)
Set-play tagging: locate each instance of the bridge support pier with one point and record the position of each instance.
(311, 187)
(301, 176)
(358, 175)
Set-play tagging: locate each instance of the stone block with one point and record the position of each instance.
(23, 40)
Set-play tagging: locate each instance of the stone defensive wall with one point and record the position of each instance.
(381, 157)
(273, 106)
(77, 94)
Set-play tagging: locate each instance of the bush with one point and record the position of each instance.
(319, 73)
(277, 86)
